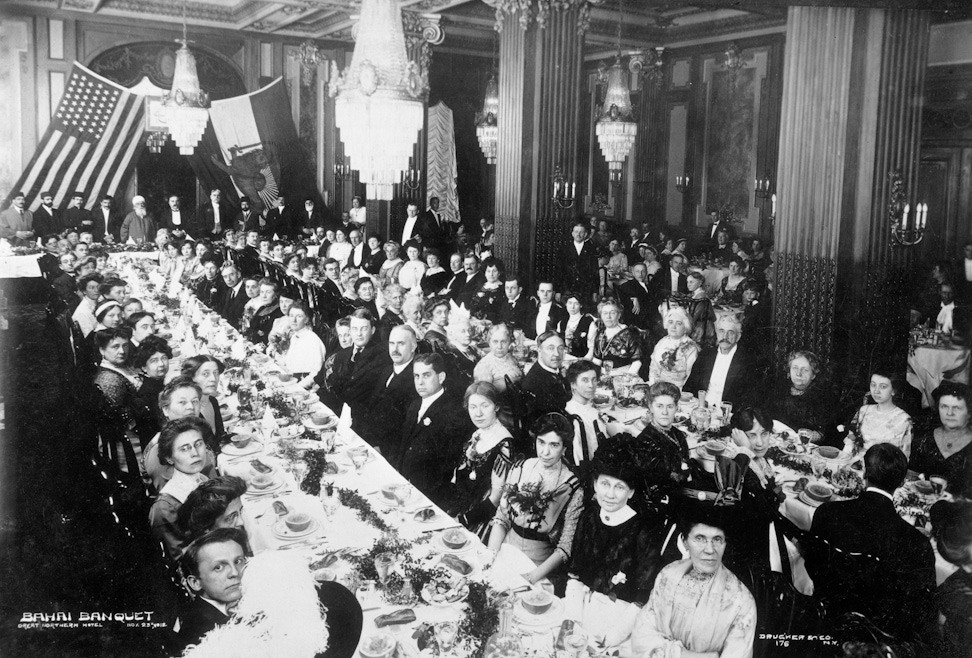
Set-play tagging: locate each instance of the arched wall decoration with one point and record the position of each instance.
(128, 63)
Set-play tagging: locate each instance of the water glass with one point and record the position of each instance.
(445, 635)
(366, 592)
(359, 457)
(383, 564)
(818, 465)
(607, 367)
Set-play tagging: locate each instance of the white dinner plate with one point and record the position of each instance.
(551, 617)
(251, 448)
(281, 531)
(440, 545)
(272, 489)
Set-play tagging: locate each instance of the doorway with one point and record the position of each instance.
(161, 175)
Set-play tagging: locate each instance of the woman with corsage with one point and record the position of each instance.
(541, 501)
(615, 342)
(881, 422)
(578, 328)
(487, 458)
(674, 354)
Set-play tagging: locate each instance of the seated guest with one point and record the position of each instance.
(463, 352)
(231, 303)
(498, 363)
(89, 286)
(697, 607)
(108, 315)
(516, 310)
(191, 269)
(665, 440)
(340, 338)
(617, 266)
(349, 277)
(251, 286)
(486, 460)
(731, 290)
(803, 401)
(435, 277)
(65, 283)
(214, 564)
(410, 276)
(638, 299)
(306, 354)
(672, 279)
(435, 427)
(472, 283)
(579, 329)
(364, 290)
(543, 380)
(119, 406)
(151, 362)
(752, 433)
(291, 263)
(946, 451)
(374, 256)
(541, 502)
(395, 392)
(205, 370)
(457, 277)
(622, 529)
(308, 270)
(547, 315)
(952, 531)
(726, 372)
(413, 310)
(892, 579)
(264, 317)
(357, 369)
(756, 318)
(390, 268)
(590, 429)
(880, 422)
(216, 503)
(183, 444)
(485, 303)
(674, 355)
(131, 306)
(142, 325)
(391, 314)
(209, 287)
(179, 399)
(700, 310)
(284, 612)
(943, 321)
(434, 339)
(616, 343)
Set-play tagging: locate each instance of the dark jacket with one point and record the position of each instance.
(549, 390)
(517, 314)
(200, 618)
(742, 381)
(431, 447)
(206, 220)
(355, 382)
(230, 305)
(46, 223)
(66, 287)
(578, 272)
(282, 222)
(557, 315)
(392, 397)
(647, 315)
(662, 282)
(187, 221)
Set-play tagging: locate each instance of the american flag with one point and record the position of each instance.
(92, 139)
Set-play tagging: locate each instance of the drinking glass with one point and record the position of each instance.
(607, 367)
(327, 439)
(700, 418)
(359, 457)
(805, 435)
(383, 564)
(330, 504)
(366, 592)
(445, 635)
(575, 642)
(726, 408)
(299, 469)
(818, 465)
(940, 485)
(402, 492)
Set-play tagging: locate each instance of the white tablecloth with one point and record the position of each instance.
(932, 364)
(17, 267)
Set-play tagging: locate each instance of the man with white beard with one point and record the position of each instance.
(138, 226)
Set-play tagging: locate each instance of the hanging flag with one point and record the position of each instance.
(94, 136)
(259, 144)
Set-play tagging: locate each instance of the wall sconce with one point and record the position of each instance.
(342, 172)
(564, 192)
(309, 56)
(734, 62)
(412, 179)
(907, 222)
(683, 183)
(649, 64)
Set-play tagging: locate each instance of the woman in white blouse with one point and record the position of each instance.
(306, 354)
(410, 276)
(341, 249)
(358, 214)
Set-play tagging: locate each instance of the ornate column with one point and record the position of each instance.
(541, 52)
(850, 114)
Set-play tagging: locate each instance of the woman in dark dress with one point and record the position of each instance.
(487, 301)
(374, 256)
(486, 461)
(435, 339)
(262, 321)
(946, 451)
(622, 528)
(579, 329)
(205, 370)
(662, 437)
(804, 402)
(152, 362)
(435, 278)
(616, 342)
(119, 405)
(952, 531)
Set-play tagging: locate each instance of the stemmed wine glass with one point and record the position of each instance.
(402, 492)
(359, 457)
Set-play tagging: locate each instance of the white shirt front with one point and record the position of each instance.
(717, 380)
(105, 213)
(409, 228)
(216, 223)
(945, 318)
(674, 280)
(543, 313)
(427, 402)
(968, 269)
(396, 370)
(177, 217)
(578, 247)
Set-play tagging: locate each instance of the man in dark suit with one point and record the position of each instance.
(473, 282)
(75, 216)
(47, 219)
(248, 219)
(544, 380)
(358, 369)
(719, 225)
(65, 284)
(232, 298)
(874, 562)
(175, 218)
(434, 430)
(726, 372)
(395, 393)
(356, 259)
(548, 314)
(280, 220)
(638, 299)
(107, 222)
(517, 309)
(214, 217)
(434, 228)
(215, 564)
(578, 265)
(308, 220)
(458, 276)
(675, 272)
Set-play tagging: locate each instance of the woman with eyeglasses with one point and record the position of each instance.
(697, 607)
(803, 401)
(182, 444)
(541, 501)
(617, 546)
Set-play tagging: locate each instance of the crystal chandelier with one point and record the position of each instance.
(486, 128)
(379, 104)
(185, 106)
(615, 130)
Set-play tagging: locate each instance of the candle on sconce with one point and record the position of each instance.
(573, 191)
(774, 205)
(556, 188)
(924, 215)
(904, 217)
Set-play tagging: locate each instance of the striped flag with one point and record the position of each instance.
(92, 139)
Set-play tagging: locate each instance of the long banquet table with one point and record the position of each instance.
(346, 531)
